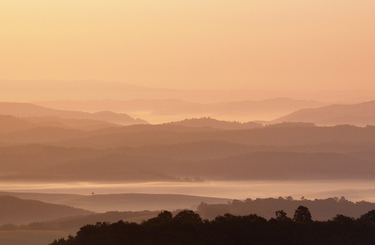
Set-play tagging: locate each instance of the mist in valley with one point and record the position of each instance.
(65, 164)
(120, 110)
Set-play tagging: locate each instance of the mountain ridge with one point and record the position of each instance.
(31, 110)
(360, 114)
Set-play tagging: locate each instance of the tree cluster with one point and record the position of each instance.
(323, 209)
(187, 227)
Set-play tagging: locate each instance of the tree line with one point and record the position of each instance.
(323, 209)
(187, 227)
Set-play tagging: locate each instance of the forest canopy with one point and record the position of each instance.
(187, 227)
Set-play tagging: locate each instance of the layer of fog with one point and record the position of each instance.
(355, 190)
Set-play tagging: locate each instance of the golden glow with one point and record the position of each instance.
(191, 44)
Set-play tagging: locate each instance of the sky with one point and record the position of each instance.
(192, 44)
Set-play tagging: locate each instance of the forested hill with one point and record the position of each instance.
(213, 123)
(187, 228)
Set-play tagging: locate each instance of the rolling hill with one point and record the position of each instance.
(361, 114)
(268, 107)
(142, 135)
(174, 153)
(164, 110)
(9, 124)
(217, 124)
(120, 202)
(41, 135)
(280, 166)
(145, 105)
(70, 123)
(145, 165)
(20, 211)
(30, 110)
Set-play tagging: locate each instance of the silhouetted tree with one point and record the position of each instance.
(281, 216)
(302, 213)
(165, 215)
(188, 215)
(343, 220)
(162, 217)
(368, 217)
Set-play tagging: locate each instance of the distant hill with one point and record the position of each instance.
(139, 202)
(46, 231)
(29, 237)
(110, 167)
(47, 163)
(291, 125)
(35, 158)
(30, 110)
(269, 106)
(73, 223)
(244, 110)
(10, 124)
(177, 153)
(142, 135)
(357, 114)
(110, 135)
(19, 211)
(80, 124)
(145, 105)
(41, 135)
(213, 123)
(164, 110)
(191, 151)
(280, 166)
(120, 165)
(121, 202)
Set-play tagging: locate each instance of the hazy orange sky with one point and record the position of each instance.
(190, 44)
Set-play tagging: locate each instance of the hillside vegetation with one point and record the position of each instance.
(187, 227)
